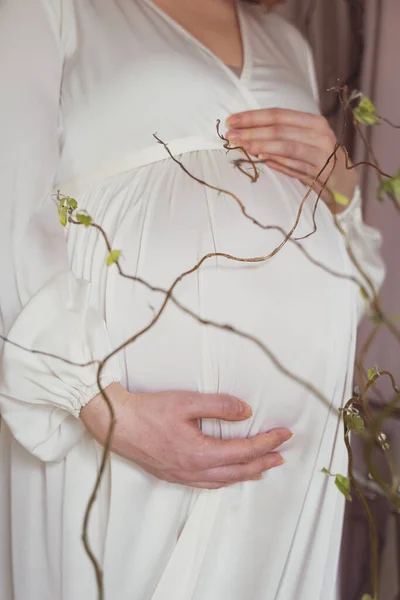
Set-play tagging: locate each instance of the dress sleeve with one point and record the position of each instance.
(365, 241)
(45, 312)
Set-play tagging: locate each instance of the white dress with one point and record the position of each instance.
(85, 85)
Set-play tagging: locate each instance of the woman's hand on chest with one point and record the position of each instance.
(297, 144)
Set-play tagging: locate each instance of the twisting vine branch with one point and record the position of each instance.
(369, 426)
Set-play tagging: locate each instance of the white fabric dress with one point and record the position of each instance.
(85, 85)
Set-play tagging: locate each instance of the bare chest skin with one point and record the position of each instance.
(214, 23)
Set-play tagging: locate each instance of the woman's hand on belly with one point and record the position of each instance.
(160, 433)
(297, 144)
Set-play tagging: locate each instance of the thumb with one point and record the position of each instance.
(218, 406)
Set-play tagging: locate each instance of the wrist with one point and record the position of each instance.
(96, 415)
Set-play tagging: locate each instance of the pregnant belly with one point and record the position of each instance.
(285, 310)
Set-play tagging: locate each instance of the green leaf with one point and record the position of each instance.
(63, 215)
(365, 112)
(367, 597)
(366, 118)
(355, 422)
(113, 257)
(355, 94)
(391, 185)
(343, 485)
(371, 373)
(72, 203)
(366, 104)
(86, 220)
(340, 199)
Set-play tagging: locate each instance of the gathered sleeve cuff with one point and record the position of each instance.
(50, 365)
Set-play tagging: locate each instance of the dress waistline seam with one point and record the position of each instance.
(147, 156)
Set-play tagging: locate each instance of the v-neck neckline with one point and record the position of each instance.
(245, 74)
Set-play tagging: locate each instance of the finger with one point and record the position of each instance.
(276, 116)
(219, 453)
(189, 482)
(217, 406)
(295, 170)
(309, 182)
(288, 149)
(310, 162)
(286, 171)
(207, 485)
(298, 167)
(204, 485)
(295, 174)
(234, 473)
(313, 136)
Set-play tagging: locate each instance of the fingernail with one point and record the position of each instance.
(278, 461)
(232, 121)
(257, 477)
(245, 409)
(285, 436)
(233, 136)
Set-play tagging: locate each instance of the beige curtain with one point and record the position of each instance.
(334, 29)
(381, 81)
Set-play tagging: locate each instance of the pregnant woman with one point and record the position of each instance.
(189, 507)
